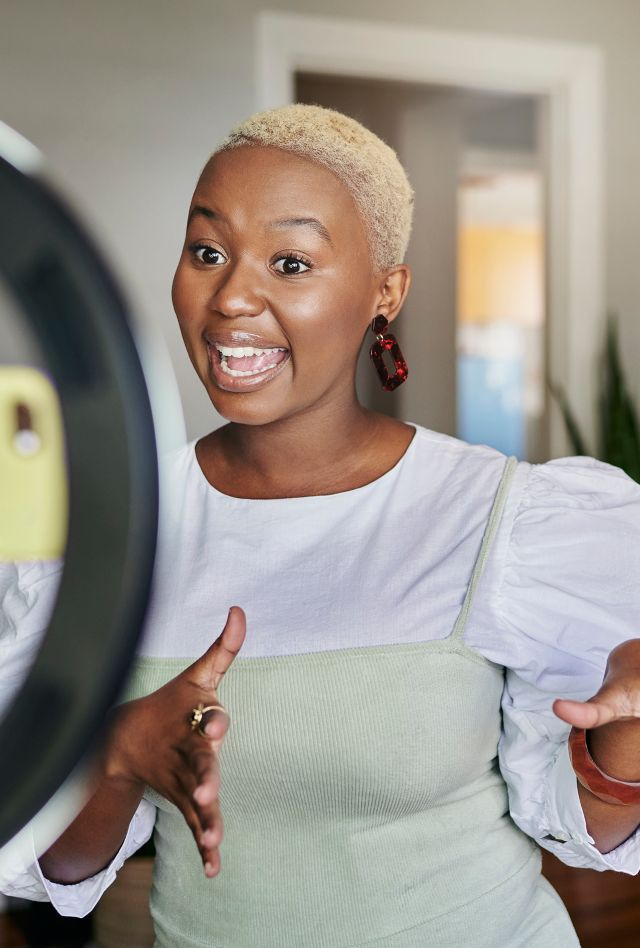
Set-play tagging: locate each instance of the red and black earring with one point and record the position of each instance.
(386, 342)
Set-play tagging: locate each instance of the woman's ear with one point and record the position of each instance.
(392, 291)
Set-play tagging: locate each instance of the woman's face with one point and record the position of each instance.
(275, 259)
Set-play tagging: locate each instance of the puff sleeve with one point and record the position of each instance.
(563, 590)
(27, 596)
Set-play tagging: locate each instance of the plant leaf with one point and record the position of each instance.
(619, 427)
(573, 429)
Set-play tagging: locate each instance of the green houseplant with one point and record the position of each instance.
(618, 428)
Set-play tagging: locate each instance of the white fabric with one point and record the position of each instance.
(390, 563)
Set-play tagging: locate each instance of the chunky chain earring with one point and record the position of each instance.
(386, 342)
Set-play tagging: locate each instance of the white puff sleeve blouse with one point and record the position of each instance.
(560, 589)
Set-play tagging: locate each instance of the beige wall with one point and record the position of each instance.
(127, 97)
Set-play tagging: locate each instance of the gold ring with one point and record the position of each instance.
(198, 713)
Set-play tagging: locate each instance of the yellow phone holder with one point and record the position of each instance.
(34, 499)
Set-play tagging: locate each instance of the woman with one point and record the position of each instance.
(380, 783)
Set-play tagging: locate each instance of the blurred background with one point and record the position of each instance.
(517, 125)
(524, 234)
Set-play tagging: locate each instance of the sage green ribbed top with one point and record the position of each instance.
(362, 805)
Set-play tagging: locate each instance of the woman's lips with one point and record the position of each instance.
(241, 383)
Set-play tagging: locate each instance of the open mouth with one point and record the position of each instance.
(246, 361)
(237, 367)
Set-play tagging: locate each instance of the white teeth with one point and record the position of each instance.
(239, 351)
(225, 368)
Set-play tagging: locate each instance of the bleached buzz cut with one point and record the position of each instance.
(368, 167)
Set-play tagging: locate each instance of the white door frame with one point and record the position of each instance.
(569, 75)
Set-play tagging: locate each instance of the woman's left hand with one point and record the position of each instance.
(614, 714)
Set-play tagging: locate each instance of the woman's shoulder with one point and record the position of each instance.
(449, 443)
(574, 482)
(576, 528)
(180, 457)
(579, 482)
(449, 450)
(455, 468)
(562, 577)
(178, 470)
(570, 525)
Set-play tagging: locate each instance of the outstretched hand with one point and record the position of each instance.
(152, 742)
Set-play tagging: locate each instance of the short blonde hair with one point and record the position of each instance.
(368, 167)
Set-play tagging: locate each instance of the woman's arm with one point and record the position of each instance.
(90, 843)
(605, 823)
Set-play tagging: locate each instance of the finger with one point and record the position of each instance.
(213, 664)
(206, 840)
(206, 770)
(585, 714)
(212, 828)
(215, 724)
(199, 776)
(191, 817)
(207, 805)
(212, 865)
(211, 831)
(214, 834)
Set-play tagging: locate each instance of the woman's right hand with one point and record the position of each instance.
(151, 741)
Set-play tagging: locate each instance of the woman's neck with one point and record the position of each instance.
(306, 454)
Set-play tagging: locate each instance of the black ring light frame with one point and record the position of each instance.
(78, 317)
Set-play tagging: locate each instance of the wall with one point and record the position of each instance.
(128, 98)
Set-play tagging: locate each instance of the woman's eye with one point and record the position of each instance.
(291, 265)
(206, 254)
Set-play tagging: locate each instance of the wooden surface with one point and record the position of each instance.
(604, 906)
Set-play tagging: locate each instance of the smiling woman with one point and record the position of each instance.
(280, 258)
(394, 754)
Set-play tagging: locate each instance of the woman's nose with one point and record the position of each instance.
(235, 292)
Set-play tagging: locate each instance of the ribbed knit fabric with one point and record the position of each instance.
(362, 805)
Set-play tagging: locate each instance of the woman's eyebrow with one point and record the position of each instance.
(201, 210)
(319, 228)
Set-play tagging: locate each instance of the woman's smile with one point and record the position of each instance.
(243, 368)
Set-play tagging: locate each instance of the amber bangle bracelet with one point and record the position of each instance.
(596, 781)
